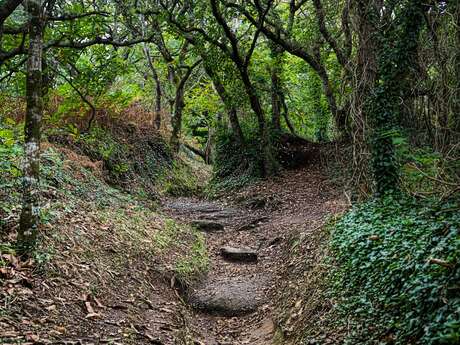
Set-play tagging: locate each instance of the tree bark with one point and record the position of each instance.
(158, 96)
(268, 161)
(276, 88)
(231, 110)
(176, 120)
(179, 105)
(158, 91)
(286, 114)
(30, 215)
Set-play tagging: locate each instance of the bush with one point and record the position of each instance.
(398, 271)
(233, 168)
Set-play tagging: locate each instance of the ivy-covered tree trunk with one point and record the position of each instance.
(396, 46)
(456, 107)
(30, 215)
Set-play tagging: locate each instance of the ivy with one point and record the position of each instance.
(398, 271)
(395, 55)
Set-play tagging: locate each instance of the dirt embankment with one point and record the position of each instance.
(115, 268)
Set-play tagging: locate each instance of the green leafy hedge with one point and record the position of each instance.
(398, 272)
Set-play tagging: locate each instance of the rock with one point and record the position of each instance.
(207, 225)
(256, 202)
(187, 206)
(222, 214)
(252, 224)
(227, 297)
(239, 254)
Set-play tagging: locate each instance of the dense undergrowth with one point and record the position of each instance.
(118, 175)
(134, 158)
(235, 167)
(397, 271)
(97, 243)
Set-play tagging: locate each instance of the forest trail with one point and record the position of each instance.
(234, 303)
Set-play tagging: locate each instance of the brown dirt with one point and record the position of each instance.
(98, 291)
(267, 217)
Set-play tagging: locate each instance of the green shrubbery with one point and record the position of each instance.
(398, 271)
(11, 152)
(234, 167)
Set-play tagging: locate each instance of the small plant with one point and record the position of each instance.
(196, 262)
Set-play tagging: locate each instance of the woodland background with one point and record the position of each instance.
(138, 91)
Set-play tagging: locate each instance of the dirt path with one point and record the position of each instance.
(234, 304)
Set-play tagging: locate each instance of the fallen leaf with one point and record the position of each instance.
(89, 308)
(51, 308)
(32, 337)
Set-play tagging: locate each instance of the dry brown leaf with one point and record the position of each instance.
(92, 316)
(32, 337)
(51, 307)
(61, 329)
(89, 308)
(98, 303)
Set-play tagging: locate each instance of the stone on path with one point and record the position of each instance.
(221, 214)
(207, 225)
(227, 297)
(239, 254)
(187, 206)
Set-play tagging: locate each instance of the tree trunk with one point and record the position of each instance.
(394, 71)
(268, 161)
(286, 114)
(30, 215)
(179, 105)
(176, 121)
(158, 96)
(231, 110)
(276, 88)
(158, 92)
(456, 107)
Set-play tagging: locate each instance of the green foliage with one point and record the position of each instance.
(398, 268)
(127, 155)
(396, 55)
(190, 263)
(11, 136)
(425, 171)
(195, 262)
(11, 152)
(179, 180)
(202, 106)
(233, 166)
(307, 104)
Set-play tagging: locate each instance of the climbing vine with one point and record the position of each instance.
(396, 47)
